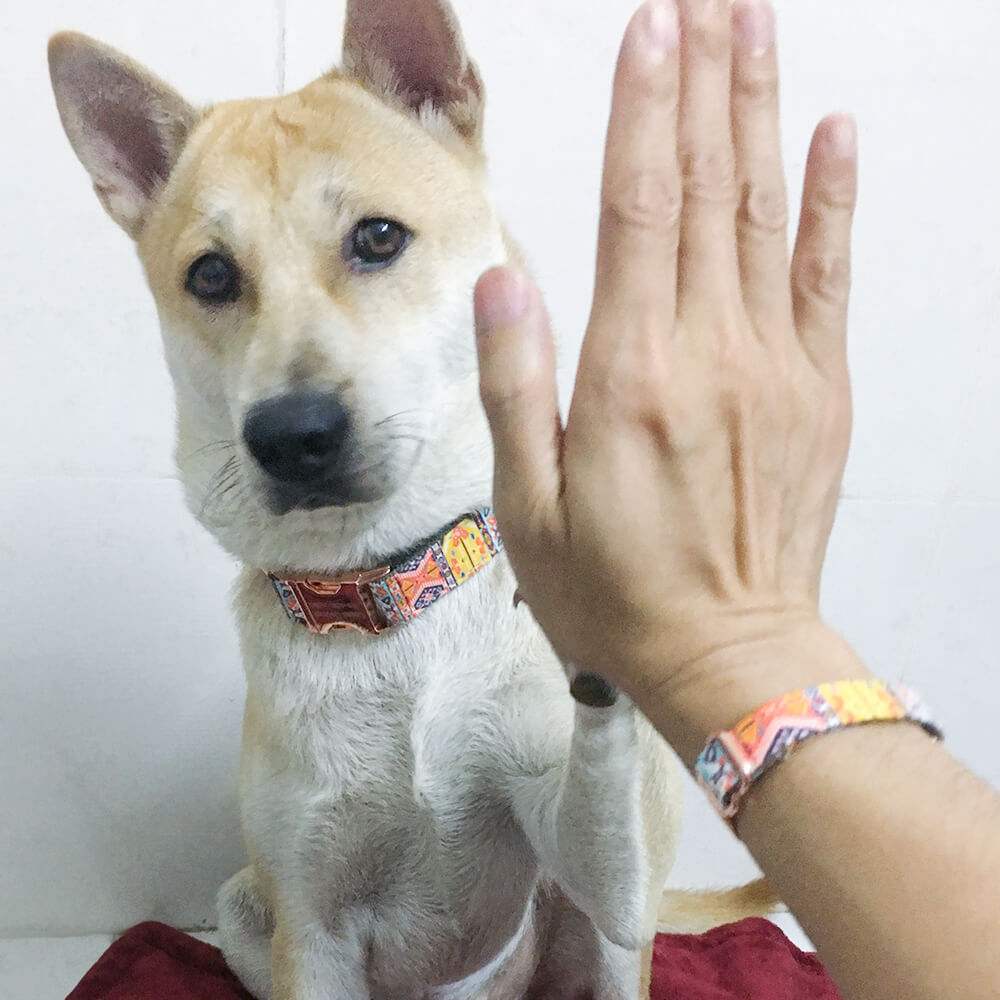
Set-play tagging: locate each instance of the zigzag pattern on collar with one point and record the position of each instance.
(373, 601)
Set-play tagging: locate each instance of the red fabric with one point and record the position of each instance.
(155, 962)
(751, 960)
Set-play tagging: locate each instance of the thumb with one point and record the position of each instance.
(517, 383)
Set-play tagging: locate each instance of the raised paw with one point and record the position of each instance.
(593, 690)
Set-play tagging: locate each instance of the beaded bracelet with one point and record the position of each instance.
(733, 760)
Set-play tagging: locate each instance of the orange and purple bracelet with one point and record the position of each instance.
(733, 760)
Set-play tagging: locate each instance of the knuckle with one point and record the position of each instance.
(635, 388)
(834, 196)
(708, 29)
(652, 89)
(508, 392)
(648, 200)
(764, 208)
(826, 278)
(502, 397)
(756, 86)
(709, 174)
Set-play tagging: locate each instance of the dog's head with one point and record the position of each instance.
(312, 258)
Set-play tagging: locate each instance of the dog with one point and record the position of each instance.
(429, 813)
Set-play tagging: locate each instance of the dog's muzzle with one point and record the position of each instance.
(299, 440)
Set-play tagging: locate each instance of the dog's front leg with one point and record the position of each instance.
(585, 822)
(307, 963)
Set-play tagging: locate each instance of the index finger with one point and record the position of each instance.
(641, 196)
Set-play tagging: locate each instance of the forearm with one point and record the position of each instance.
(883, 847)
(886, 850)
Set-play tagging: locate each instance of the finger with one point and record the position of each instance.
(708, 266)
(641, 190)
(821, 264)
(517, 383)
(762, 217)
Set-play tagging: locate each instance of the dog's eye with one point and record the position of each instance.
(376, 243)
(214, 279)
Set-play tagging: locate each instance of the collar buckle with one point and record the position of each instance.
(331, 604)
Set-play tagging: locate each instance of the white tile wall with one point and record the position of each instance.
(119, 684)
(46, 968)
(952, 650)
(120, 703)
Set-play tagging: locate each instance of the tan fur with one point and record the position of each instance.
(695, 911)
(282, 969)
(278, 176)
(645, 972)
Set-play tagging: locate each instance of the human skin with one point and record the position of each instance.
(670, 536)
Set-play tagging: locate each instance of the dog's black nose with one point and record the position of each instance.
(298, 437)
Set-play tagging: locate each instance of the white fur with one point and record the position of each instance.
(427, 785)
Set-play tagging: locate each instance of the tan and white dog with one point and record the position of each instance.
(428, 813)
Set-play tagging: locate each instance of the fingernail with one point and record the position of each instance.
(843, 137)
(657, 30)
(501, 299)
(753, 27)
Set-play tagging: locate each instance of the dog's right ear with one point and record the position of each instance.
(126, 126)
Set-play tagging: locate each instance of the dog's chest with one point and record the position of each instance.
(391, 770)
(382, 804)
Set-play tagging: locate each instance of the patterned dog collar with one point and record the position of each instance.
(375, 600)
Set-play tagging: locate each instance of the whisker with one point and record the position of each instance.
(419, 438)
(395, 416)
(222, 483)
(205, 448)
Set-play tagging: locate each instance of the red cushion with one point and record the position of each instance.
(750, 960)
(155, 962)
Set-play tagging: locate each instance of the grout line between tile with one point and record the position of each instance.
(282, 12)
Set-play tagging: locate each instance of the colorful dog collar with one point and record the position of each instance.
(375, 600)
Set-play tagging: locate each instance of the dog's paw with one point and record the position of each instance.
(593, 690)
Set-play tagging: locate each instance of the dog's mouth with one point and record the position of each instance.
(316, 501)
(283, 498)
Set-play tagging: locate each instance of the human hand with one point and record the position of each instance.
(671, 536)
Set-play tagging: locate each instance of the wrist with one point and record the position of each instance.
(713, 693)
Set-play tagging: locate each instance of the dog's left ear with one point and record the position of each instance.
(413, 50)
